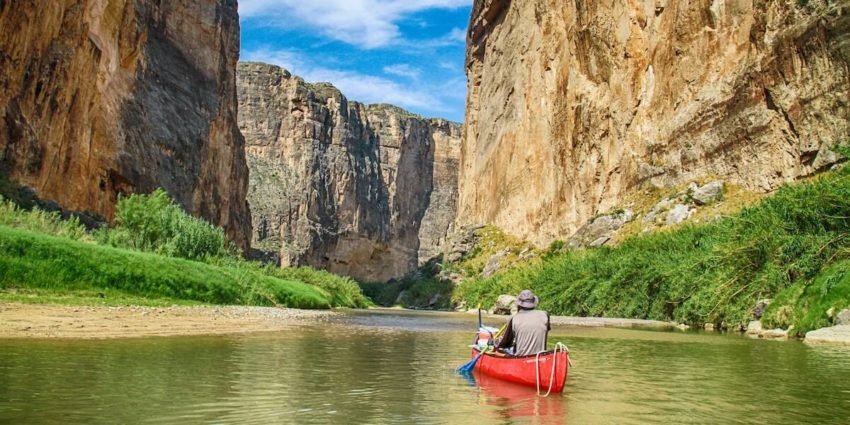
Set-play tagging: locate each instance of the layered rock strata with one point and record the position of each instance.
(572, 105)
(102, 97)
(366, 191)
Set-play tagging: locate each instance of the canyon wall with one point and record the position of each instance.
(367, 191)
(573, 105)
(102, 97)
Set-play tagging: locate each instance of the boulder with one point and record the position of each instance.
(707, 194)
(461, 307)
(505, 304)
(462, 242)
(600, 230)
(775, 334)
(678, 214)
(754, 328)
(838, 335)
(843, 318)
(493, 264)
(709, 326)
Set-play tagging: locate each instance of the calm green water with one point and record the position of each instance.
(397, 367)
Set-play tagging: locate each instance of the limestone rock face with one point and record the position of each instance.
(101, 97)
(365, 191)
(573, 105)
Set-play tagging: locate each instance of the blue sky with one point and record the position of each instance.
(408, 53)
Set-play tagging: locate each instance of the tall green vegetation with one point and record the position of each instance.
(710, 273)
(155, 250)
(34, 260)
(154, 223)
(50, 223)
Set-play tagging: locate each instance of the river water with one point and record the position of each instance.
(398, 367)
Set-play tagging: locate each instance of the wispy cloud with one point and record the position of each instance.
(364, 23)
(356, 86)
(403, 70)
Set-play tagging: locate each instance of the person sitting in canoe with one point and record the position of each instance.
(528, 329)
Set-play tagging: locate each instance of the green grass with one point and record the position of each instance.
(805, 306)
(411, 293)
(154, 224)
(710, 273)
(37, 220)
(37, 261)
(342, 291)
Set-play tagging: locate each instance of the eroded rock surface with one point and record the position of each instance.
(573, 105)
(105, 97)
(600, 230)
(367, 191)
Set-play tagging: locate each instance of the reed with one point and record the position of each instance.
(791, 246)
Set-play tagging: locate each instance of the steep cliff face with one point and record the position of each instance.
(101, 97)
(365, 191)
(573, 105)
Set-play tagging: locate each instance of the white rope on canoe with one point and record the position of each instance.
(559, 347)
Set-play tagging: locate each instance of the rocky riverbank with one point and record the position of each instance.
(60, 321)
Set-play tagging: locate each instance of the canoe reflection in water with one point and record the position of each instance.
(514, 401)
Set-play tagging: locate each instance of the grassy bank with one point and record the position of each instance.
(155, 253)
(32, 260)
(790, 246)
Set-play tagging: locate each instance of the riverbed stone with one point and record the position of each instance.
(505, 304)
(754, 328)
(836, 335)
(775, 334)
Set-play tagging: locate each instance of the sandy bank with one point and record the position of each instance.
(610, 322)
(60, 321)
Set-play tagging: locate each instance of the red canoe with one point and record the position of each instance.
(524, 369)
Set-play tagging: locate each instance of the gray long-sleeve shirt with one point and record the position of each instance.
(527, 332)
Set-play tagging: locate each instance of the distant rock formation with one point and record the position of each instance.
(367, 191)
(105, 97)
(574, 105)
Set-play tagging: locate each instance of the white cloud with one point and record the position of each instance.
(403, 70)
(364, 23)
(458, 35)
(355, 86)
(449, 66)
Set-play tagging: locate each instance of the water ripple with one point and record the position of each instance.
(388, 368)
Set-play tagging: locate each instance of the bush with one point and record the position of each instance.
(154, 223)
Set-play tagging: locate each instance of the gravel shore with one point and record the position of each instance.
(60, 321)
(609, 322)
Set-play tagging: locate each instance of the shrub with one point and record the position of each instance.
(154, 223)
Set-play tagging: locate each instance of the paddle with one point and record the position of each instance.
(470, 365)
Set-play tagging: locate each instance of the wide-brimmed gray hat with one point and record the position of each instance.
(527, 299)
